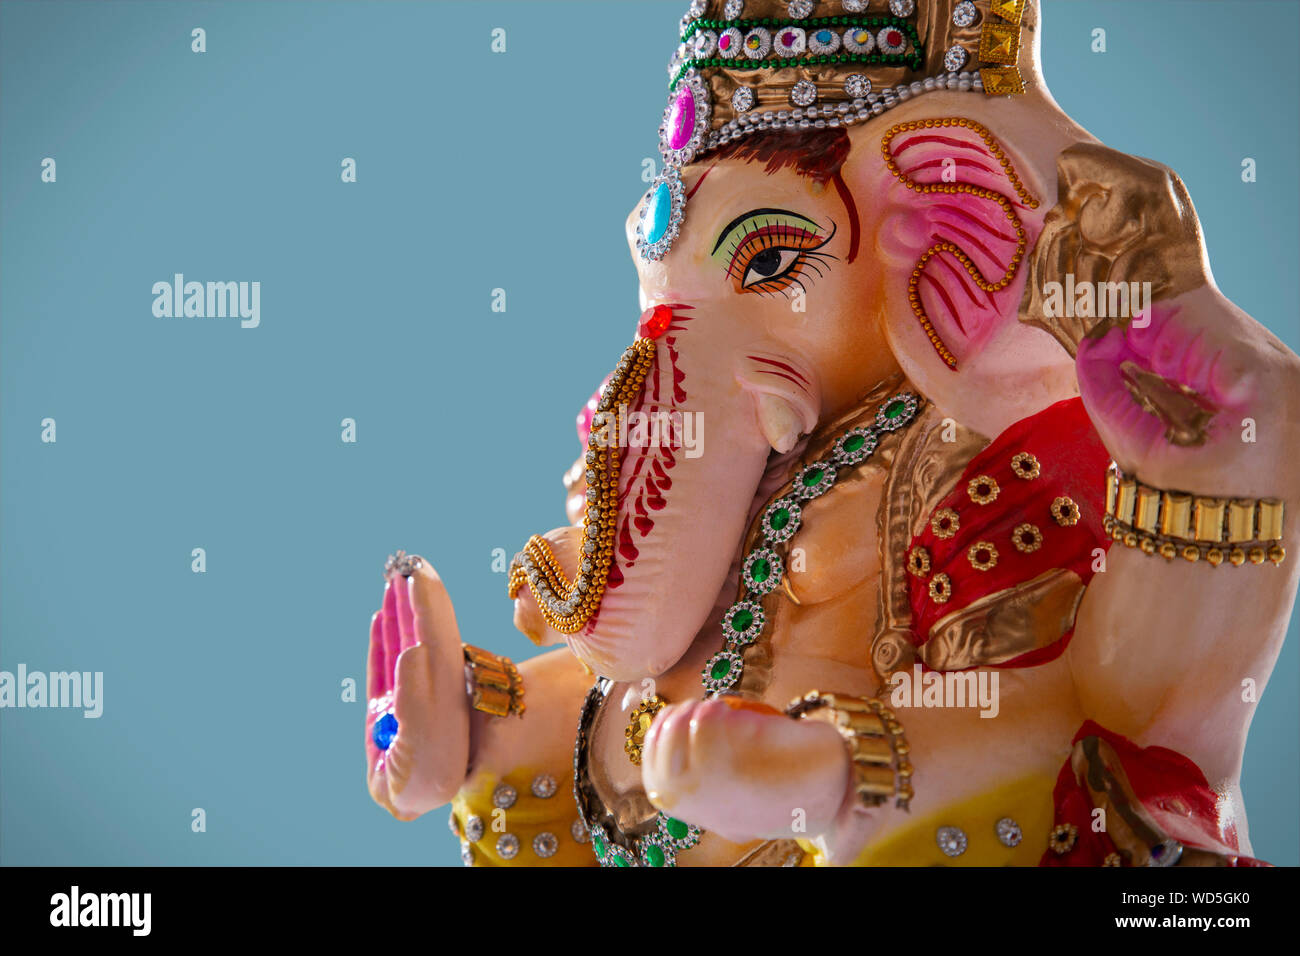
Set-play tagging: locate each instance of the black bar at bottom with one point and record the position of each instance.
(452, 908)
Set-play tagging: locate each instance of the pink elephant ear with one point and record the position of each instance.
(968, 227)
(959, 215)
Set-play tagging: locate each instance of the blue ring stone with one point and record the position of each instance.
(659, 213)
(384, 731)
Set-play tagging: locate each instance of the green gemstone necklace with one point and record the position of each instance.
(762, 573)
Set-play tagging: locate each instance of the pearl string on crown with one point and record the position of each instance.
(831, 116)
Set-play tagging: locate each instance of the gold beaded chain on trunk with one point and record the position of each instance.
(566, 606)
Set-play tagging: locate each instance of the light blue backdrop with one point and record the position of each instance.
(476, 171)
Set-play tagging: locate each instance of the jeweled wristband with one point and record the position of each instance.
(878, 751)
(1194, 527)
(494, 684)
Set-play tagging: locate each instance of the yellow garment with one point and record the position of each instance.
(526, 819)
(1027, 801)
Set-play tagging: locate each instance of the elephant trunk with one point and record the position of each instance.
(684, 502)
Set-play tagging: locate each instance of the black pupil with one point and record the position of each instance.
(766, 262)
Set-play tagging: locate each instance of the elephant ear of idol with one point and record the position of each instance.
(958, 218)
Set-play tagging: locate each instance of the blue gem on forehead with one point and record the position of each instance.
(659, 213)
(662, 213)
(384, 731)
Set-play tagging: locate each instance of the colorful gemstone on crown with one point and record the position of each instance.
(859, 40)
(686, 120)
(791, 41)
(681, 119)
(823, 42)
(891, 40)
(758, 43)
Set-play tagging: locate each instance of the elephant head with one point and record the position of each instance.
(811, 266)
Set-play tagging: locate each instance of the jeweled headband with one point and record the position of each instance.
(750, 65)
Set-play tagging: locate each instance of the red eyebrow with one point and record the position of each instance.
(700, 182)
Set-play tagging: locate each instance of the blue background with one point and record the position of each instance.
(476, 171)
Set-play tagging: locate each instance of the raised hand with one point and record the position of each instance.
(417, 712)
(1196, 395)
(1200, 399)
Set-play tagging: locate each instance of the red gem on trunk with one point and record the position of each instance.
(655, 321)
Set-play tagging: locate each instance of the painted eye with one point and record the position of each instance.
(768, 250)
(769, 264)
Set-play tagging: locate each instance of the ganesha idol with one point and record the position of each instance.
(966, 541)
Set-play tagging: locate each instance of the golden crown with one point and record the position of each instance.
(744, 66)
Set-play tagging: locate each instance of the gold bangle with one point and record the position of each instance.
(1194, 527)
(878, 750)
(495, 685)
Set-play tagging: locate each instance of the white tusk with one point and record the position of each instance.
(779, 421)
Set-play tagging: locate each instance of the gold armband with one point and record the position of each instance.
(1194, 527)
(878, 750)
(494, 684)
